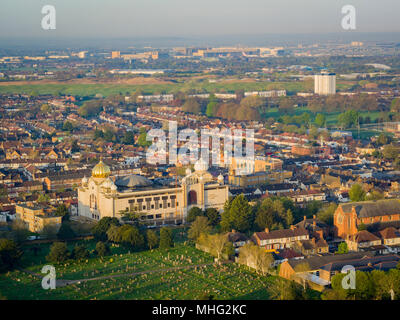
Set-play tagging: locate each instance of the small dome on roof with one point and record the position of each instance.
(201, 165)
(133, 181)
(84, 180)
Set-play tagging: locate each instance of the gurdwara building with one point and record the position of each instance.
(103, 195)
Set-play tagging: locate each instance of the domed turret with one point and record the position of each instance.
(113, 188)
(201, 165)
(101, 170)
(84, 180)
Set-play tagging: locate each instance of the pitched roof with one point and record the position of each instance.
(318, 262)
(367, 209)
(389, 233)
(363, 236)
(284, 233)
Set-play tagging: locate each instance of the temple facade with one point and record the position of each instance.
(101, 195)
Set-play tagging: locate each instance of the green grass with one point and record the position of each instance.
(108, 89)
(222, 281)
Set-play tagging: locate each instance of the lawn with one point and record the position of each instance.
(190, 281)
(109, 88)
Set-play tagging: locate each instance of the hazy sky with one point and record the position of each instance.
(142, 18)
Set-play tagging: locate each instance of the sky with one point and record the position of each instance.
(180, 18)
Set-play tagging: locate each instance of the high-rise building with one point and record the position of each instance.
(325, 83)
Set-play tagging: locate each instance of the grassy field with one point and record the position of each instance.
(110, 88)
(182, 272)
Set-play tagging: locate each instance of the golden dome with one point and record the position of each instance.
(101, 170)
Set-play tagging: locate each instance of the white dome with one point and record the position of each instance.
(84, 180)
(107, 184)
(201, 165)
(188, 171)
(220, 178)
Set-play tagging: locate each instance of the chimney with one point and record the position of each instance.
(233, 231)
(305, 218)
(313, 240)
(266, 230)
(292, 227)
(314, 216)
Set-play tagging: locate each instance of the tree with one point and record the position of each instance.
(68, 126)
(130, 235)
(282, 289)
(342, 248)
(152, 239)
(239, 216)
(10, 254)
(199, 226)
(142, 139)
(129, 138)
(213, 216)
(58, 253)
(192, 106)
(80, 252)
(320, 120)
(211, 108)
(356, 193)
(102, 249)
(61, 211)
(100, 229)
(113, 234)
(218, 243)
(255, 257)
(166, 238)
(326, 213)
(193, 213)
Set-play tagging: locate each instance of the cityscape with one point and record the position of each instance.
(180, 169)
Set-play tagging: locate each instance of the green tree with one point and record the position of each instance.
(102, 249)
(193, 213)
(199, 226)
(80, 252)
(239, 216)
(356, 193)
(320, 120)
(58, 253)
(342, 248)
(166, 238)
(68, 126)
(130, 235)
(152, 239)
(213, 216)
(129, 138)
(326, 213)
(100, 229)
(192, 106)
(10, 254)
